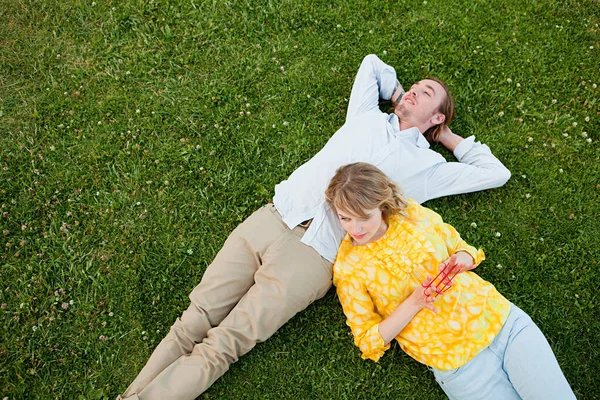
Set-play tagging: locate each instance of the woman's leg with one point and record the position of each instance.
(482, 378)
(519, 364)
(529, 361)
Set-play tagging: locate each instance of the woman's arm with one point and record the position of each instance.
(422, 297)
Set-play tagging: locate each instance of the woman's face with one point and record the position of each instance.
(363, 230)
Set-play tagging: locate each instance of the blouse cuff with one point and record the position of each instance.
(477, 254)
(372, 344)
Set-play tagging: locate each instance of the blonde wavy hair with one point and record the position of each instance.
(359, 187)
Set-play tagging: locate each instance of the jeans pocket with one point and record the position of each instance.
(446, 377)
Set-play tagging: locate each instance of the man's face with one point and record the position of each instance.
(420, 105)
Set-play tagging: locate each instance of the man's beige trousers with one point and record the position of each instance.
(260, 279)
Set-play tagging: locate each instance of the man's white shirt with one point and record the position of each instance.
(372, 136)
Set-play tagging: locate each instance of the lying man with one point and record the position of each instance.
(279, 260)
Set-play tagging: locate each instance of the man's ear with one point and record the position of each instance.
(438, 118)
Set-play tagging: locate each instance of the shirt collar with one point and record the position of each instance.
(413, 134)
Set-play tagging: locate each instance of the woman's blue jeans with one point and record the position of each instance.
(519, 364)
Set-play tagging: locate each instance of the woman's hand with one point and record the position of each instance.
(424, 295)
(459, 262)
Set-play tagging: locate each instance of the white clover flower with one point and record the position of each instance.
(499, 266)
(527, 195)
(247, 112)
(594, 86)
(574, 123)
(137, 111)
(518, 85)
(554, 101)
(34, 328)
(501, 114)
(473, 225)
(110, 314)
(190, 251)
(587, 119)
(530, 139)
(523, 176)
(285, 123)
(509, 80)
(384, 52)
(565, 134)
(591, 47)
(561, 170)
(589, 140)
(498, 234)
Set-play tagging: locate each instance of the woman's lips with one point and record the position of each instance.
(358, 237)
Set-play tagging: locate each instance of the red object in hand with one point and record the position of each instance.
(443, 280)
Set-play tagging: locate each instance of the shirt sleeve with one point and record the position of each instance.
(454, 243)
(374, 80)
(477, 169)
(361, 317)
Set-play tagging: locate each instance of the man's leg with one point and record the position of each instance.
(223, 284)
(292, 276)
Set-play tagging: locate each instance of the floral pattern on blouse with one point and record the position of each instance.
(373, 279)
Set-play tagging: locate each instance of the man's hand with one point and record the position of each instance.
(398, 93)
(449, 139)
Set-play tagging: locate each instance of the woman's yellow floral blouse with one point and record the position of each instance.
(372, 280)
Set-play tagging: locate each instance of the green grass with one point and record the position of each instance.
(136, 135)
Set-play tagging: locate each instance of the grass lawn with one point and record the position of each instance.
(135, 135)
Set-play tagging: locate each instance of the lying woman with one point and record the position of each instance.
(387, 274)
